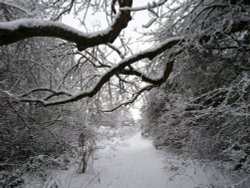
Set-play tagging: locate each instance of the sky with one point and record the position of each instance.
(139, 19)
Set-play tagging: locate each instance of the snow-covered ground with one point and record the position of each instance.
(135, 163)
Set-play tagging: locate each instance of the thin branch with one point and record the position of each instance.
(121, 55)
(66, 10)
(137, 94)
(54, 93)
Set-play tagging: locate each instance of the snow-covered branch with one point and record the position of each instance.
(17, 30)
(150, 54)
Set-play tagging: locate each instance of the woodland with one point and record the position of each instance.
(57, 83)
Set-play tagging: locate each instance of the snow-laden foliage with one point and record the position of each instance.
(35, 139)
(203, 110)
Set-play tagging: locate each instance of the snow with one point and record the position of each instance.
(36, 23)
(135, 163)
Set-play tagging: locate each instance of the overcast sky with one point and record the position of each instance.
(139, 19)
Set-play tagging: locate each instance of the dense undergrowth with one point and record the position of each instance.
(202, 111)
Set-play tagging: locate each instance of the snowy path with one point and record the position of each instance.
(135, 163)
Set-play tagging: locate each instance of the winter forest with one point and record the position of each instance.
(124, 94)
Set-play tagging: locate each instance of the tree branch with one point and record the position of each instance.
(17, 30)
(150, 54)
(146, 7)
(137, 94)
(53, 93)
